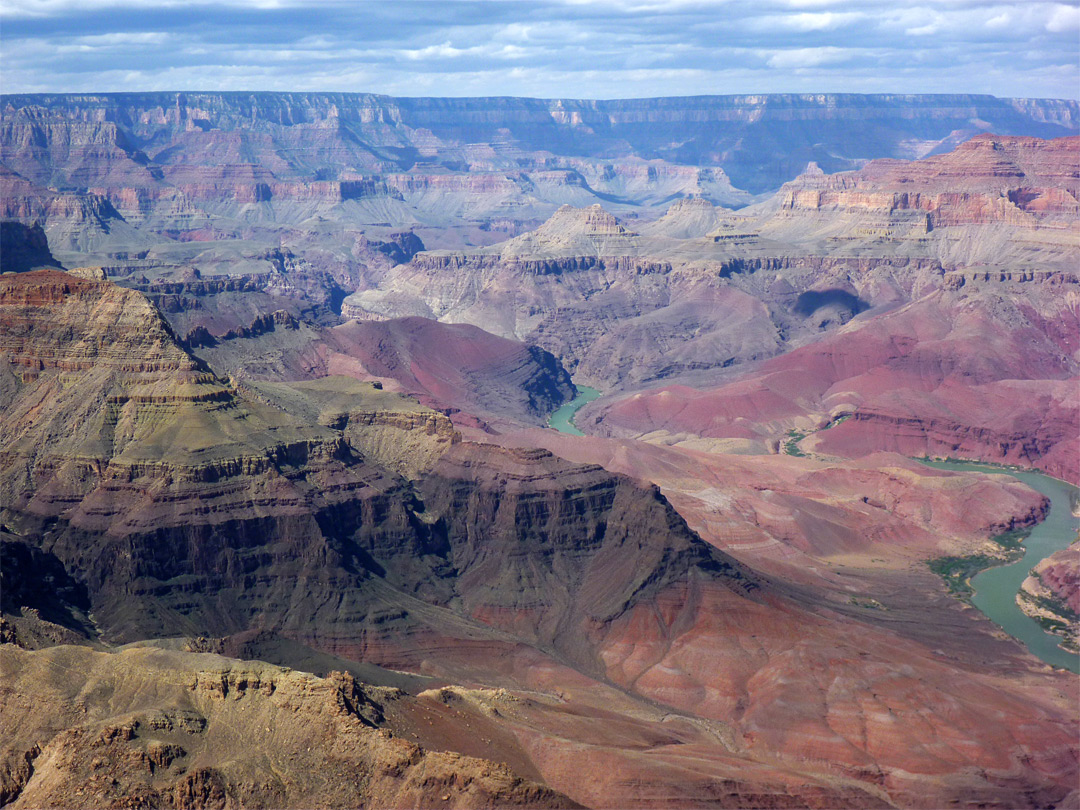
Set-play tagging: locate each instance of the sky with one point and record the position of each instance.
(544, 48)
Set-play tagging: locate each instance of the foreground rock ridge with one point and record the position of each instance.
(166, 736)
(282, 525)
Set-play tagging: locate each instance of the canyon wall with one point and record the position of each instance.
(760, 141)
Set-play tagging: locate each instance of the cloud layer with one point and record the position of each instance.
(545, 48)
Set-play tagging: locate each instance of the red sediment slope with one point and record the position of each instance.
(986, 371)
(457, 365)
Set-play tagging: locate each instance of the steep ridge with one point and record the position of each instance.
(589, 290)
(456, 368)
(74, 220)
(688, 218)
(1020, 181)
(571, 232)
(457, 364)
(99, 398)
(185, 505)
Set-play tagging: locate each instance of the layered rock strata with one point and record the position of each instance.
(739, 133)
(1020, 181)
(987, 372)
(164, 456)
(623, 308)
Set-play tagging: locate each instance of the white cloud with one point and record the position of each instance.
(1063, 18)
(590, 48)
(638, 6)
(820, 21)
(57, 8)
(808, 57)
(123, 39)
(809, 3)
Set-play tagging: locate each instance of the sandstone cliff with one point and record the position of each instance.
(1019, 181)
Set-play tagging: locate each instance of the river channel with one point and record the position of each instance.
(563, 419)
(996, 588)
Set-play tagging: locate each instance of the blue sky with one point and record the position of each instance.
(545, 48)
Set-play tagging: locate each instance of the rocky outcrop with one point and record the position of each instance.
(458, 365)
(618, 306)
(233, 297)
(185, 504)
(1038, 431)
(689, 218)
(41, 603)
(458, 369)
(161, 728)
(575, 233)
(586, 525)
(401, 246)
(270, 322)
(390, 430)
(622, 309)
(73, 217)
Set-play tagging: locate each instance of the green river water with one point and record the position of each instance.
(563, 419)
(996, 588)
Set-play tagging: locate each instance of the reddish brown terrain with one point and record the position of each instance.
(281, 524)
(983, 364)
(984, 371)
(451, 367)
